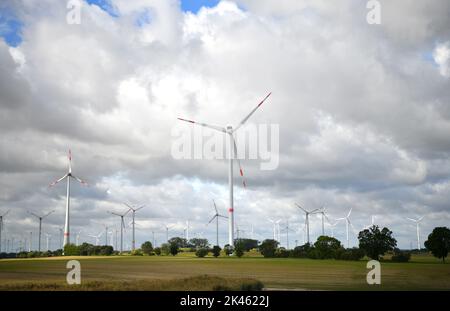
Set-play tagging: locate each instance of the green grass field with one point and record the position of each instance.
(422, 273)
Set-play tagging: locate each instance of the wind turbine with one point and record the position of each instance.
(1, 228)
(230, 131)
(67, 176)
(332, 227)
(417, 221)
(216, 217)
(347, 224)
(276, 228)
(78, 236)
(96, 237)
(122, 226)
(48, 239)
(307, 213)
(133, 210)
(167, 232)
(322, 212)
(40, 225)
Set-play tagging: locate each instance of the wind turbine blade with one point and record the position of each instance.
(301, 208)
(6, 213)
(222, 216)
(250, 114)
(57, 181)
(420, 219)
(239, 162)
(411, 219)
(214, 127)
(80, 181)
(140, 207)
(114, 213)
(215, 207)
(349, 212)
(48, 214)
(31, 213)
(212, 219)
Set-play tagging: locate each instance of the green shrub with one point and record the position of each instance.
(147, 248)
(400, 256)
(157, 251)
(201, 252)
(216, 251)
(137, 252)
(349, 254)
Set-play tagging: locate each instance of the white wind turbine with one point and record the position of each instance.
(78, 237)
(230, 131)
(48, 240)
(133, 209)
(276, 228)
(216, 217)
(68, 176)
(307, 213)
(1, 228)
(122, 226)
(347, 224)
(417, 221)
(324, 216)
(96, 237)
(40, 225)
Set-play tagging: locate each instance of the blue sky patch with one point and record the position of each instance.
(195, 5)
(105, 5)
(10, 27)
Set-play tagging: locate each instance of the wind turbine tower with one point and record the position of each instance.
(133, 210)
(40, 225)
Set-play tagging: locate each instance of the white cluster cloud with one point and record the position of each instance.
(363, 113)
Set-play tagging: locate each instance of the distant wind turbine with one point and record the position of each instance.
(1, 228)
(133, 209)
(347, 224)
(417, 221)
(40, 225)
(216, 217)
(307, 213)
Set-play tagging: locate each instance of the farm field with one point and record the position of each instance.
(422, 273)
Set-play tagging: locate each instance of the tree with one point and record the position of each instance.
(173, 248)
(199, 243)
(147, 248)
(228, 249)
(216, 251)
(71, 250)
(180, 242)
(375, 242)
(268, 248)
(239, 249)
(438, 242)
(201, 252)
(247, 244)
(157, 251)
(326, 247)
(165, 248)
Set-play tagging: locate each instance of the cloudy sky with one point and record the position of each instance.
(363, 113)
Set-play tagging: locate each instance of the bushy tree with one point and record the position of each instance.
(216, 251)
(228, 249)
(282, 252)
(400, 256)
(438, 242)
(375, 242)
(239, 249)
(247, 244)
(173, 248)
(326, 247)
(157, 251)
(71, 250)
(147, 247)
(165, 249)
(302, 251)
(199, 243)
(180, 242)
(349, 253)
(201, 252)
(105, 250)
(268, 248)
